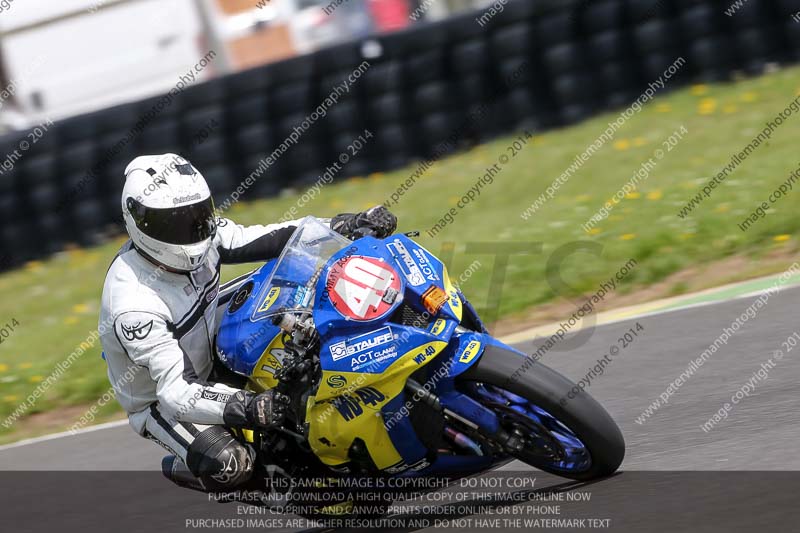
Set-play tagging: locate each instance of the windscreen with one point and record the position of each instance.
(291, 284)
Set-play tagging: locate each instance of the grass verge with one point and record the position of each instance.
(56, 301)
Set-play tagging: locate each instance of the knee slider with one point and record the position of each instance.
(219, 460)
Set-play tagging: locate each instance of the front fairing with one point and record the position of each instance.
(383, 309)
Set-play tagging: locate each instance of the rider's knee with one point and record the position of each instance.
(219, 460)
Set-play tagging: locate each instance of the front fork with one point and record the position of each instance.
(471, 415)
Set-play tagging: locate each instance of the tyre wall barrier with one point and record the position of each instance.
(424, 92)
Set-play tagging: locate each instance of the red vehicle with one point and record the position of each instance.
(390, 15)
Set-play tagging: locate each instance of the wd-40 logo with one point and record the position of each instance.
(362, 343)
(407, 264)
(269, 300)
(438, 326)
(469, 353)
(421, 357)
(350, 406)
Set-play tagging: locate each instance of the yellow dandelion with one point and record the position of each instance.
(749, 96)
(71, 320)
(639, 141)
(729, 109)
(628, 236)
(336, 203)
(537, 140)
(699, 89)
(622, 144)
(707, 106)
(655, 195)
(3, 367)
(633, 195)
(723, 208)
(595, 231)
(367, 205)
(81, 309)
(34, 266)
(663, 108)
(10, 398)
(615, 218)
(781, 238)
(376, 176)
(583, 198)
(25, 366)
(36, 379)
(685, 236)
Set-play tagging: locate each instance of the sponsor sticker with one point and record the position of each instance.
(399, 468)
(137, 331)
(423, 356)
(369, 359)
(469, 353)
(455, 302)
(426, 266)
(362, 343)
(351, 406)
(215, 396)
(211, 295)
(337, 381)
(408, 266)
(272, 295)
(438, 327)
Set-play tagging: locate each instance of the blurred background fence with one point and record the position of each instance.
(427, 90)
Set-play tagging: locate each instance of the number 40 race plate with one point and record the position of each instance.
(363, 288)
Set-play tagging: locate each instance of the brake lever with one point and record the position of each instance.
(411, 234)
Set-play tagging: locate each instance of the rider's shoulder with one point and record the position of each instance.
(132, 283)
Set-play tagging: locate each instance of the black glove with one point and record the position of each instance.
(377, 221)
(265, 410)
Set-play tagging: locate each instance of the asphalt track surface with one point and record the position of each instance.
(664, 454)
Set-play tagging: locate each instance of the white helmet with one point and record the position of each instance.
(168, 211)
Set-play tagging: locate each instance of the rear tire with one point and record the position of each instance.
(545, 388)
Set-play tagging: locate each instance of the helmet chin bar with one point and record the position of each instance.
(173, 257)
(195, 261)
(171, 268)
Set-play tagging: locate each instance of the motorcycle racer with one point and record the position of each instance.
(160, 306)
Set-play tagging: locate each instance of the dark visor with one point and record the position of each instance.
(187, 224)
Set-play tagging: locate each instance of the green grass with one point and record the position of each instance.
(56, 301)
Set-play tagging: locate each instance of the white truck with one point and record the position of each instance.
(64, 58)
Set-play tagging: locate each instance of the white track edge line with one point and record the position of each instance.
(120, 423)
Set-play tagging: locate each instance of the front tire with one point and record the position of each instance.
(544, 389)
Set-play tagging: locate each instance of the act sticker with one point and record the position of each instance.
(363, 288)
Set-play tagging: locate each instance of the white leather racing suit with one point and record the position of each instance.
(157, 330)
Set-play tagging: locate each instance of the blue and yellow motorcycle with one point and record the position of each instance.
(392, 373)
